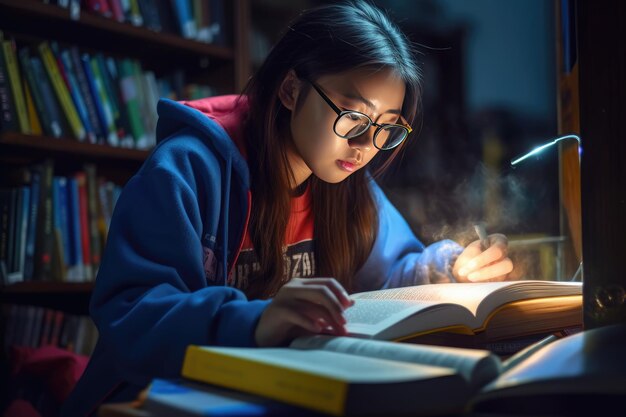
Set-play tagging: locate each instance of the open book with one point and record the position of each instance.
(500, 310)
(351, 376)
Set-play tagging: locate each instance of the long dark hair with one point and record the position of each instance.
(321, 41)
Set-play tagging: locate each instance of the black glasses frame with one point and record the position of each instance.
(379, 126)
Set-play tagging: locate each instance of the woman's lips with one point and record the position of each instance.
(346, 166)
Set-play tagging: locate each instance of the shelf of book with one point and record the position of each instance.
(113, 62)
(31, 12)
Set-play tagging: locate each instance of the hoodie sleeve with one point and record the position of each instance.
(151, 297)
(398, 258)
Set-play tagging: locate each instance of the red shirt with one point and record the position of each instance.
(298, 246)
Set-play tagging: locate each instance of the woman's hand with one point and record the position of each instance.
(303, 306)
(476, 265)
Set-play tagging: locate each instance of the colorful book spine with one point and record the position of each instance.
(86, 95)
(48, 125)
(50, 104)
(62, 93)
(128, 87)
(10, 57)
(61, 221)
(109, 119)
(186, 22)
(75, 91)
(135, 16)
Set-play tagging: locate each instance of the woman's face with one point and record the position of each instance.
(316, 149)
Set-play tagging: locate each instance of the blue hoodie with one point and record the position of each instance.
(154, 294)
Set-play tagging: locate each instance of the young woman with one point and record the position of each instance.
(256, 215)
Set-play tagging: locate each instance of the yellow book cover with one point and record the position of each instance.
(35, 124)
(61, 91)
(10, 56)
(332, 382)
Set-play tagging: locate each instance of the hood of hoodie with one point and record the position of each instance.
(219, 120)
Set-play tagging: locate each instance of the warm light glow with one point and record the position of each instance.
(544, 146)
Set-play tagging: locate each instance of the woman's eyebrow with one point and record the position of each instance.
(358, 97)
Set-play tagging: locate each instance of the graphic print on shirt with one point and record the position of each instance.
(299, 262)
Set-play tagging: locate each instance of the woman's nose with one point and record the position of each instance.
(365, 141)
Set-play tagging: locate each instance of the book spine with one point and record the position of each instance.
(85, 60)
(45, 118)
(109, 119)
(92, 208)
(135, 16)
(60, 252)
(62, 219)
(61, 91)
(81, 180)
(45, 239)
(33, 215)
(10, 57)
(85, 93)
(22, 231)
(50, 104)
(287, 385)
(33, 118)
(108, 67)
(8, 116)
(186, 22)
(5, 209)
(10, 256)
(76, 273)
(100, 7)
(150, 14)
(116, 10)
(19, 215)
(129, 91)
(77, 97)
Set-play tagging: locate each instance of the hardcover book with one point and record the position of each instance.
(500, 310)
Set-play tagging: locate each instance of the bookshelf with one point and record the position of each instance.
(222, 65)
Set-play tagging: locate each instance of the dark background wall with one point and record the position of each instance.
(489, 95)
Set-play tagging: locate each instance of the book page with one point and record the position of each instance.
(477, 366)
(470, 295)
(352, 368)
(392, 319)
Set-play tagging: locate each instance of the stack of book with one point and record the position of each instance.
(359, 375)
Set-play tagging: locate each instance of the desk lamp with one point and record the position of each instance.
(578, 274)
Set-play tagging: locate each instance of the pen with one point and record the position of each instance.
(482, 235)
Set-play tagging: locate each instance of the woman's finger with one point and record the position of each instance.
(494, 253)
(321, 295)
(333, 285)
(497, 270)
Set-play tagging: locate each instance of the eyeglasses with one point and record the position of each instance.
(350, 124)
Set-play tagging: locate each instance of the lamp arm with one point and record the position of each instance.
(540, 148)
